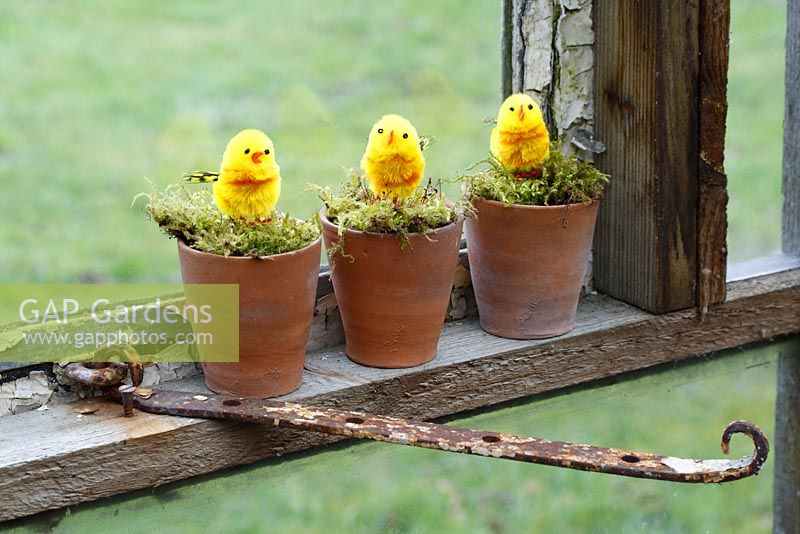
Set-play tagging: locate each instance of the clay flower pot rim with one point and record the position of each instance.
(536, 206)
(183, 244)
(323, 217)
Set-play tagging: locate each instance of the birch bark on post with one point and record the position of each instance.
(552, 60)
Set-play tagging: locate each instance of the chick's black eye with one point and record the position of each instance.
(511, 108)
(266, 151)
(380, 130)
(530, 106)
(246, 150)
(405, 136)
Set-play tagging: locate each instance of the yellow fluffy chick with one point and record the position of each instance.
(393, 160)
(249, 182)
(520, 140)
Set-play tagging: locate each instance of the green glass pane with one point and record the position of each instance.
(754, 138)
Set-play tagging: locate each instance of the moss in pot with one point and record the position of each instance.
(530, 242)
(275, 264)
(392, 265)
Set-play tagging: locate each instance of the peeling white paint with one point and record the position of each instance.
(537, 34)
(553, 60)
(684, 465)
(25, 394)
(158, 373)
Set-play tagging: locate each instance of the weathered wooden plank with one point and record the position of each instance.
(64, 459)
(791, 133)
(712, 221)
(646, 113)
(786, 444)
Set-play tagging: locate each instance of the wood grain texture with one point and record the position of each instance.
(712, 221)
(786, 485)
(791, 133)
(646, 113)
(65, 459)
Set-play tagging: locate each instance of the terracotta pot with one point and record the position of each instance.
(276, 302)
(393, 300)
(527, 265)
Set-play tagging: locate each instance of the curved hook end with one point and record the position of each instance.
(760, 442)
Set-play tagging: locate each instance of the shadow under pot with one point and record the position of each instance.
(393, 298)
(527, 265)
(276, 303)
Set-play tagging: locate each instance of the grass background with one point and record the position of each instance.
(754, 139)
(98, 95)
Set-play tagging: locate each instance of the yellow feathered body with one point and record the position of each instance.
(393, 160)
(520, 140)
(249, 181)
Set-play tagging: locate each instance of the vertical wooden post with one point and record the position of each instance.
(646, 113)
(654, 91)
(712, 223)
(786, 485)
(791, 133)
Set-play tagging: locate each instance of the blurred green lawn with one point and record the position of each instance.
(754, 141)
(99, 95)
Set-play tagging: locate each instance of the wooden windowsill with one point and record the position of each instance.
(56, 458)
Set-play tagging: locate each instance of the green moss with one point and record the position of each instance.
(195, 218)
(561, 180)
(355, 207)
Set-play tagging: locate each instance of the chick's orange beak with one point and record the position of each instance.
(521, 113)
(256, 157)
(391, 138)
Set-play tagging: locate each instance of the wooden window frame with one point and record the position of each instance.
(682, 309)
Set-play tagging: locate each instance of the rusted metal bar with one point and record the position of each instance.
(454, 439)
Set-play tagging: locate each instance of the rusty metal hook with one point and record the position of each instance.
(96, 374)
(101, 373)
(419, 434)
(448, 438)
